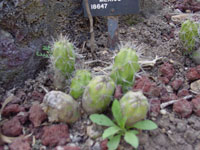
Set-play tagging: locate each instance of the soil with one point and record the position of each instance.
(151, 35)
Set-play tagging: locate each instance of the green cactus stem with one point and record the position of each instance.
(124, 68)
(134, 106)
(189, 34)
(79, 83)
(61, 107)
(98, 94)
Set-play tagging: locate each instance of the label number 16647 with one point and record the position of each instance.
(99, 6)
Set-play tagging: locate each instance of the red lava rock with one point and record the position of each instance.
(23, 117)
(193, 74)
(164, 95)
(183, 108)
(12, 127)
(196, 105)
(164, 80)
(167, 70)
(12, 109)
(67, 148)
(55, 135)
(183, 93)
(118, 92)
(37, 96)
(20, 144)
(148, 87)
(103, 145)
(176, 84)
(154, 105)
(1, 147)
(37, 115)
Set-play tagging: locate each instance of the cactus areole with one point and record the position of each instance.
(134, 106)
(124, 68)
(98, 94)
(63, 56)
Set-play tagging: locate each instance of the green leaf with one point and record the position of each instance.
(116, 110)
(110, 131)
(131, 139)
(101, 120)
(114, 142)
(145, 125)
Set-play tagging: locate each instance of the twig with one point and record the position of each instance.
(163, 105)
(92, 40)
(95, 61)
(45, 89)
(146, 63)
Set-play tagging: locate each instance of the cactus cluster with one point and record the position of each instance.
(124, 68)
(79, 82)
(189, 35)
(98, 94)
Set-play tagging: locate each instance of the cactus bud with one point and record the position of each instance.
(60, 107)
(189, 34)
(98, 94)
(79, 82)
(124, 68)
(134, 106)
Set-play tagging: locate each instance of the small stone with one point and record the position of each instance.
(20, 144)
(93, 132)
(181, 127)
(23, 117)
(183, 108)
(37, 115)
(163, 112)
(146, 86)
(164, 80)
(67, 148)
(155, 105)
(193, 74)
(96, 146)
(197, 147)
(37, 96)
(183, 93)
(190, 136)
(104, 145)
(12, 109)
(12, 127)
(176, 84)
(195, 86)
(55, 135)
(167, 70)
(196, 105)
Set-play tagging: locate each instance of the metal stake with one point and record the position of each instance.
(113, 32)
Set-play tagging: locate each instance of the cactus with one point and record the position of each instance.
(63, 56)
(189, 34)
(79, 82)
(98, 94)
(134, 106)
(61, 107)
(124, 68)
(63, 61)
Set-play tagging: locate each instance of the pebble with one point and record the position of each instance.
(93, 132)
(195, 86)
(163, 112)
(181, 127)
